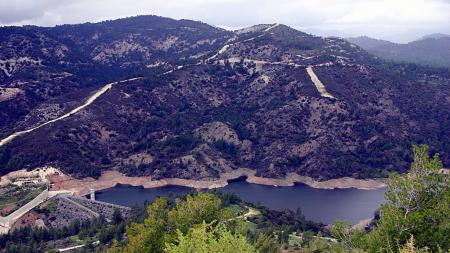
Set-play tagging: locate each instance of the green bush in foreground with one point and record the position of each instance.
(167, 226)
(418, 207)
(207, 238)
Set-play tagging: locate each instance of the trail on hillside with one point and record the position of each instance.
(89, 101)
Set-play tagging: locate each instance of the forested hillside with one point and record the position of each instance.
(269, 98)
(432, 50)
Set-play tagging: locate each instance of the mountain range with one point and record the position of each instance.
(180, 98)
(432, 50)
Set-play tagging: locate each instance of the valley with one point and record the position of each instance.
(228, 127)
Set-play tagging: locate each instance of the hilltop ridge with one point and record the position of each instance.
(432, 50)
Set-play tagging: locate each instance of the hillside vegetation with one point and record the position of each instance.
(432, 50)
(211, 101)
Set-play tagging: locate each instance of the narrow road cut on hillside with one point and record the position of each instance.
(230, 42)
(89, 101)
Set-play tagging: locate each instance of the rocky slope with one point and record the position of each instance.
(268, 98)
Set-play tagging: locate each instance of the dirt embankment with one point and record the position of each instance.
(110, 179)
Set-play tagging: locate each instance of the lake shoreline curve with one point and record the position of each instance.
(112, 178)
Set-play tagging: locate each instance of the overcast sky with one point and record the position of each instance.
(396, 20)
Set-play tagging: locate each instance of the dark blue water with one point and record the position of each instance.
(316, 204)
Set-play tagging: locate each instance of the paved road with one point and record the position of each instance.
(7, 222)
(71, 248)
(77, 247)
(79, 108)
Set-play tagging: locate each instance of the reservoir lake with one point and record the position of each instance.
(321, 205)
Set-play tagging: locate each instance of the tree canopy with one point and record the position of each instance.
(417, 209)
(169, 229)
(207, 238)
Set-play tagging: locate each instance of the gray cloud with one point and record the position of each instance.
(398, 20)
(23, 11)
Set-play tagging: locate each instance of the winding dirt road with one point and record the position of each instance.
(230, 42)
(89, 101)
(319, 85)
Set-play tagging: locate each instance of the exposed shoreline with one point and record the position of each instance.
(110, 179)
